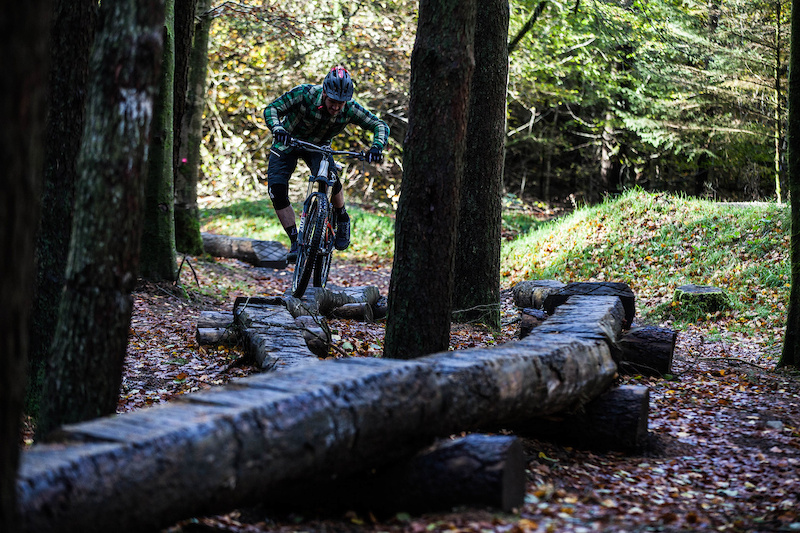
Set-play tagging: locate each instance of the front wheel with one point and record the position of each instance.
(323, 262)
(309, 245)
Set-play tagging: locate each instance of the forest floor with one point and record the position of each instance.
(723, 453)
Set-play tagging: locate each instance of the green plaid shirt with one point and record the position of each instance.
(304, 116)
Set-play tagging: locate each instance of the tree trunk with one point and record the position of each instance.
(158, 262)
(24, 50)
(441, 69)
(791, 342)
(476, 292)
(89, 347)
(69, 61)
(187, 221)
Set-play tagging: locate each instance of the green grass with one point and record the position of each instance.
(372, 234)
(657, 242)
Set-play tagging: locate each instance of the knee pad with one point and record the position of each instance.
(337, 186)
(279, 194)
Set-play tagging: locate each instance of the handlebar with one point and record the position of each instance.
(327, 150)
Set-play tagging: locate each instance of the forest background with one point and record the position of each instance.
(664, 95)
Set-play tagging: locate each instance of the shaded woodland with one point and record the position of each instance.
(600, 97)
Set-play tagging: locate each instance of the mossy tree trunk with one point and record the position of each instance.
(24, 49)
(421, 286)
(85, 371)
(187, 218)
(69, 71)
(158, 261)
(476, 294)
(791, 343)
(187, 223)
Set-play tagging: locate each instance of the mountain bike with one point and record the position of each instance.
(317, 230)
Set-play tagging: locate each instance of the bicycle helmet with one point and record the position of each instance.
(338, 85)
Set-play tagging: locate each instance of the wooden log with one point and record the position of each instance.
(475, 470)
(271, 334)
(355, 311)
(215, 327)
(481, 470)
(323, 301)
(211, 336)
(316, 334)
(600, 288)
(617, 420)
(270, 254)
(529, 319)
(646, 350)
(381, 308)
(229, 446)
(534, 293)
(214, 319)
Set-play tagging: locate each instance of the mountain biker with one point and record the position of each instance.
(315, 114)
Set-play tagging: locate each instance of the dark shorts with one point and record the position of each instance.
(282, 164)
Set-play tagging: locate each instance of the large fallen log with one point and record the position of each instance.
(228, 447)
(271, 254)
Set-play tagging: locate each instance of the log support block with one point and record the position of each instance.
(616, 420)
(646, 350)
(478, 469)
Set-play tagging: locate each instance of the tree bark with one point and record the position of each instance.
(24, 49)
(476, 292)
(790, 356)
(442, 63)
(187, 221)
(157, 255)
(94, 316)
(69, 61)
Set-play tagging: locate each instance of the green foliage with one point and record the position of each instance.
(602, 96)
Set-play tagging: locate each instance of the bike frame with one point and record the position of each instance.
(317, 229)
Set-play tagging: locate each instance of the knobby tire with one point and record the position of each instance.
(322, 265)
(313, 232)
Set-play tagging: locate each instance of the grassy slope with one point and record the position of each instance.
(657, 242)
(653, 242)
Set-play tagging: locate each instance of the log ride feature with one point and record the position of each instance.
(645, 350)
(283, 332)
(595, 288)
(231, 446)
(269, 254)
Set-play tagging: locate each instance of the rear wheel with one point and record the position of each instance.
(309, 245)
